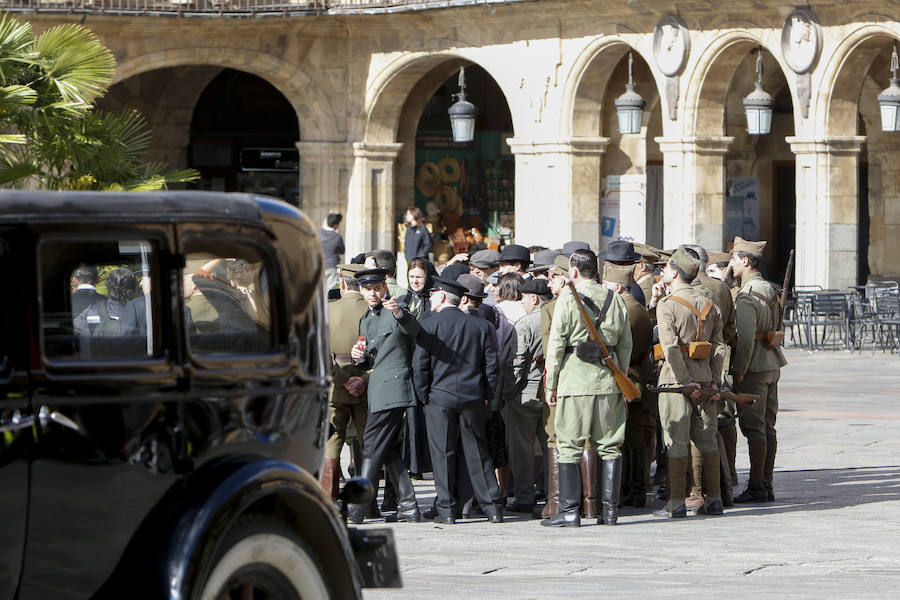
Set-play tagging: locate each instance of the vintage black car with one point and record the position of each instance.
(163, 403)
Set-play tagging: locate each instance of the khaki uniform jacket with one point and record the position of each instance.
(546, 321)
(646, 284)
(641, 336)
(343, 331)
(568, 374)
(719, 292)
(755, 316)
(389, 348)
(677, 326)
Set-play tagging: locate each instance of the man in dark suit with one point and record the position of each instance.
(85, 280)
(455, 374)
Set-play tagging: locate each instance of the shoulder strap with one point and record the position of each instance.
(762, 297)
(773, 305)
(700, 314)
(602, 312)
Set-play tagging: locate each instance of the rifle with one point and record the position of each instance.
(784, 289)
(625, 385)
(745, 400)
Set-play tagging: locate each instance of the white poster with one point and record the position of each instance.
(623, 209)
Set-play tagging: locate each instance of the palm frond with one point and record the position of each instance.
(15, 96)
(15, 38)
(76, 64)
(17, 173)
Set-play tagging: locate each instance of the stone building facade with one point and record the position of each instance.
(826, 180)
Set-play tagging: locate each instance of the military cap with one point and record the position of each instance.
(570, 247)
(535, 286)
(484, 259)
(474, 286)
(543, 260)
(717, 257)
(620, 251)
(688, 263)
(664, 256)
(515, 252)
(623, 274)
(448, 285)
(350, 271)
(742, 245)
(561, 265)
(371, 276)
(649, 254)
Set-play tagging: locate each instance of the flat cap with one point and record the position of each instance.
(448, 285)
(512, 252)
(742, 245)
(688, 263)
(484, 259)
(535, 286)
(570, 247)
(371, 276)
(473, 285)
(543, 260)
(623, 274)
(561, 265)
(351, 270)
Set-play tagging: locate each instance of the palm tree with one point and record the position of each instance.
(52, 135)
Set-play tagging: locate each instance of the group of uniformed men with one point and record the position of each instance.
(678, 320)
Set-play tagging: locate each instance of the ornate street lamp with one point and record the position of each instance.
(462, 113)
(630, 105)
(758, 103)
(889, 99)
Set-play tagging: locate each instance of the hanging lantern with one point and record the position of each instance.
(630, 105)
(462, 113)
(889, 99)
(758, 103)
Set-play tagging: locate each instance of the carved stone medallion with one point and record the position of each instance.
(671, 45)
(801, 40)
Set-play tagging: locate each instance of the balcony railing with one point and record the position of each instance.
(228, 8)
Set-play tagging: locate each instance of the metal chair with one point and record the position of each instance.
(828, 311)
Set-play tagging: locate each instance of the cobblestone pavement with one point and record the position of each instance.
(833, 532)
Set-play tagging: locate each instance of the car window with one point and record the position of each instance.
(97, 299)
(227, 299)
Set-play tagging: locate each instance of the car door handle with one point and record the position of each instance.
(16, 423)
(47, 416)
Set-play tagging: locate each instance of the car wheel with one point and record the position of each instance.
(262, 558)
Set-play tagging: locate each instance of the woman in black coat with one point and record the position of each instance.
(418, 240)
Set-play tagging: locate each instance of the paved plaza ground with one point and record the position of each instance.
(834, 531)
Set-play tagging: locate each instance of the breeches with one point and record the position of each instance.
(600, 418)
(683, 421)
(758, 421)
(340, 419)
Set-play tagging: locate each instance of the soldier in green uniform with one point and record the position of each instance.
(348, 391)
(640, 416)
(684, 317)
(756, 367)
(590, 405)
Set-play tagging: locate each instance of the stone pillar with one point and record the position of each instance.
(558, 190)
(827, 210)
(694, 191)
(370, 211)
(324, 178)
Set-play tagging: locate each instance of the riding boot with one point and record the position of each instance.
(407, 505)
(589, 483)
(328, 478)
(356, 513)
(638, 486)
(711, 472)
(724, 474)
(356, 457)
(769, 468)
(389, 499)
(674, 507)
(729, 437)
(551, 507)
(610, 488)
(569, 514)
(756, 487)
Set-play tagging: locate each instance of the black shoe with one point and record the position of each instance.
(770, 492)
(714, 508)
(678, 513)
(539, 495)
(755, 492)
(430, 512)
(405, 515)
(445, 520)
(517, 507)
(495, 518)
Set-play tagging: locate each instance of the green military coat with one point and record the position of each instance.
(389, 349)
(343, 331)
(568, 374)
(754, 316)
(641, 336)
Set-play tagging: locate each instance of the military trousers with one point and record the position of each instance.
(523, 428)
(549, 419)
(340, 419)
(600, 418)
(758, 421)
(684, 421)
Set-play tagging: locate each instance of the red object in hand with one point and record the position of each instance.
(361, 342)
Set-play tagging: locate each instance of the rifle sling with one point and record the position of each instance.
(700, 314)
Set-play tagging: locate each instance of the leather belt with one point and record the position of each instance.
(571, 349)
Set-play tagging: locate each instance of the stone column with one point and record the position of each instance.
(370, 211)
(827, 210)
(558, 190)
(694, 191)
(324, 178)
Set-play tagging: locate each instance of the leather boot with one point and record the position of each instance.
(589, 483)
(769, 467)
(407, 505)
(724, 474)
(729, 439)
(328, 478)
(569, 514)
(610, 488)
(356, 458)
(551, 507)
(756, 487)
(638, 486)
(389, 499)
(755, 492)
(356, 513)
(711, 472)
(674, 508)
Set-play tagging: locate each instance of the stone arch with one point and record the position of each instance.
(310, 101)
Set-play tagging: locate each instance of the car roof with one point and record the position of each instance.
(25, 206)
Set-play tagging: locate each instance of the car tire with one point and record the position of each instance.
(262, 557)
